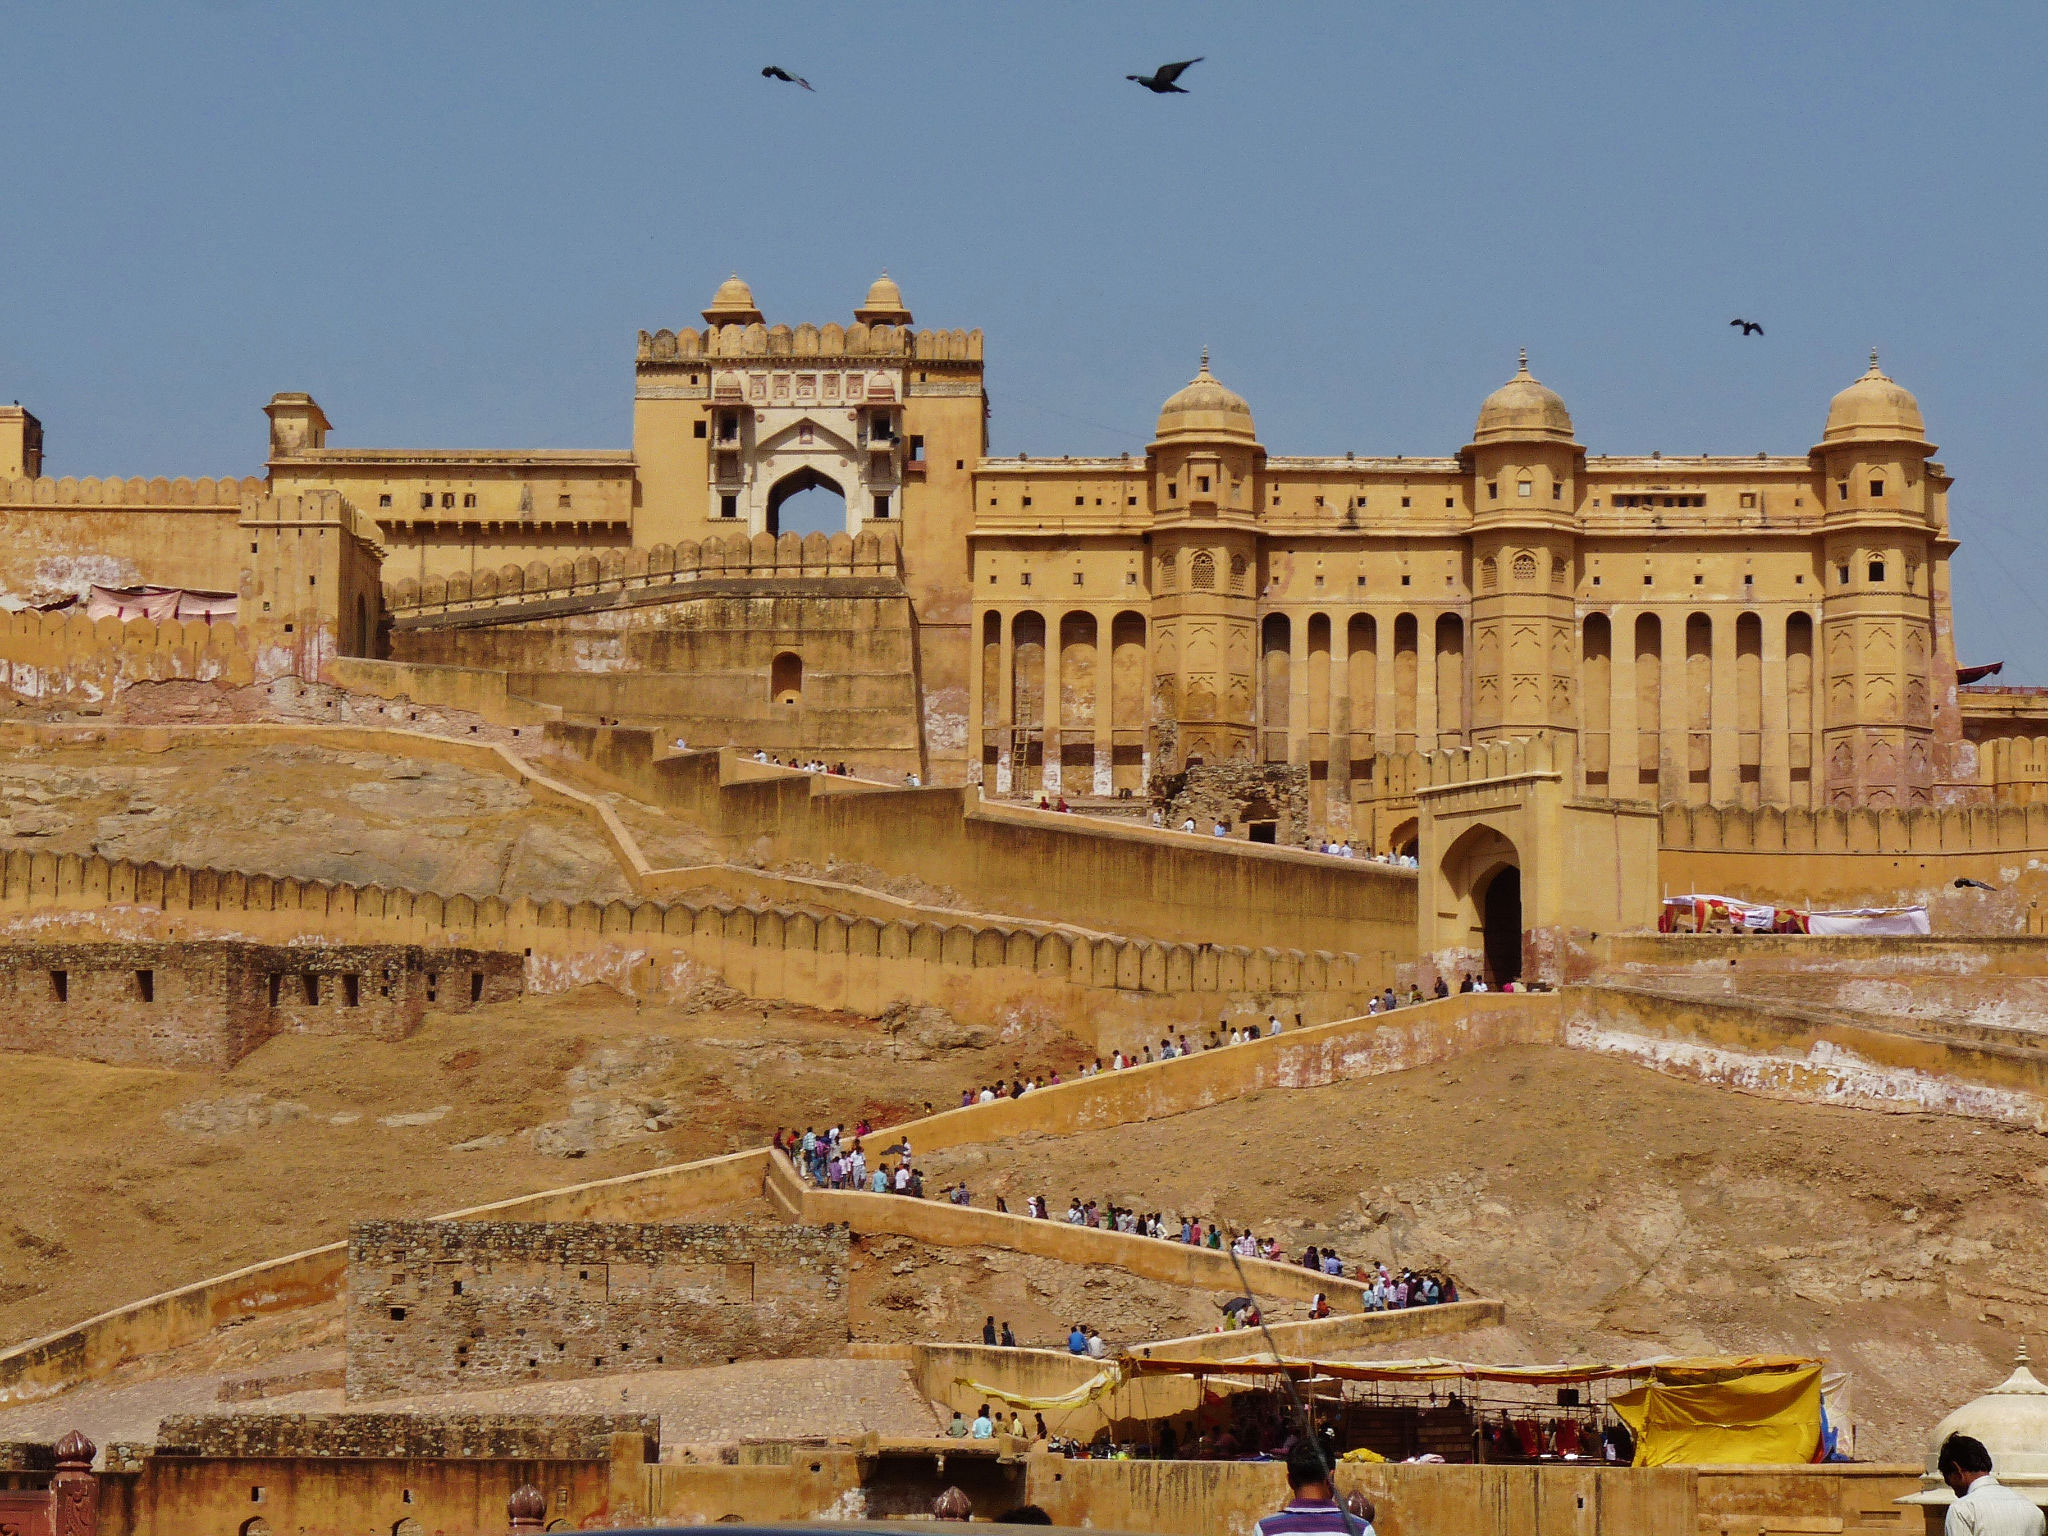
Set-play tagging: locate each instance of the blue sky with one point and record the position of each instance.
(449, 221)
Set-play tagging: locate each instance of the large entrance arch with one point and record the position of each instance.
(807, 478)
(1500, 922)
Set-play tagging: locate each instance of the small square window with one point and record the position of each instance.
(1077, 578)
(1025, 579)
(1877, 487)
(1798, 581)
(1748, 579)
(1877, 570)
(1172, 490)
(1647, 578)
(1841, 575)
(700, 429)
(469, 498)
(1749, 498)
(1404, 579)
(881, 506)
(1557, 490)
(728, 506)
(1130, 501)
(1202, 483)
(1319, 581)
(1405, 501)
(562, 501)
(426, 500)
(1130, 578)
(1493, 490)
(1027, 501)
(959, 463)
(1448, 501)
(383, 501)
(1361, 580)
(1080, 501)
(1525, 488)
(1842, 490)
(1596, 581)
(991, 579)
(1698, 580)
(447, 498)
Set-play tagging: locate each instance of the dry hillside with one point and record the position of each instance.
(126, 1181)
(1620, 1214)
(314, 813)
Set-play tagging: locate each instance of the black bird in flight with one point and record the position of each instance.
(773, 72)
(1749, 327)
(1161, 81)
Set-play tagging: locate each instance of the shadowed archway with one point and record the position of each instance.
(816, 514)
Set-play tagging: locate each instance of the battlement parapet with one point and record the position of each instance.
(1403, 775)
(765, 556)
(888, 342)
(201, 494)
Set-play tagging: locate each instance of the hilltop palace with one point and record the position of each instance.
(1754, 633)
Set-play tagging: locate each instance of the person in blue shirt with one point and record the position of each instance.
(984, 1426)
(1077, 1341)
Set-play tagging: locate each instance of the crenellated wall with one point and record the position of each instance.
(51, 657)
(789, 556)
(1039, 864)
(894, 342)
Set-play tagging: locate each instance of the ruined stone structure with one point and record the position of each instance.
(435, 1305)
(208, 1003)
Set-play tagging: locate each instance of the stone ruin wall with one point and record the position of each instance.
(436, 1306)
(206, 1004)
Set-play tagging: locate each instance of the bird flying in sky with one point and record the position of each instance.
(1749, 327)
(1161, 81)
(776, 72)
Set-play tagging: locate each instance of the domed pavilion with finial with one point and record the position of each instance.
(2010, 1420)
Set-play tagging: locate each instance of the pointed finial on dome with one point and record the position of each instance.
(1205, 359)
(2023, 1349)
(1525, 359)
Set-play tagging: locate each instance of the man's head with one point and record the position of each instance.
(1961, 1461)
(1306, 1473)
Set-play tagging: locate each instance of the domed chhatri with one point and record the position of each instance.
(1206, 408)
(884, 304)
(2012, 1422)
(733, 304)
(1521, 409)
(1874, 409)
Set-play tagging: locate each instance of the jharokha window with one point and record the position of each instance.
(1202, 572)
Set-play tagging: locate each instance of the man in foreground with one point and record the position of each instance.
(1984, 1506)
(1313, 1506)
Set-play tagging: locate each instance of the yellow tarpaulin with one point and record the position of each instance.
(1769, 1417)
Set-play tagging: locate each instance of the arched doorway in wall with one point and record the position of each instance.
(1500, 911)
(786, 678)
(805, 501)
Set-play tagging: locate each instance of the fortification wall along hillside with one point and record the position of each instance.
(1120, 991)
(1864, 857)
(59, 536)
(1066, 869)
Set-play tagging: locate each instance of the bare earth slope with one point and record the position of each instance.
(318, 814)
(1620, 1213)
(123, 1182)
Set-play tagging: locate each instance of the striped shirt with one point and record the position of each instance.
(1304, 1517)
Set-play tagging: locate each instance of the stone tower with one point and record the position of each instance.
(1883, 534)
(1204, 464)
(1525, 465)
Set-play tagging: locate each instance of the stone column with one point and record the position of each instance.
(1297, 688)
(1105, 701)
(1624, 774)
(1724, 773)
(1774, 770)
(1339, 783)
(1006, 706)
(1383, 719)
(1425, 681)
(1049, 749)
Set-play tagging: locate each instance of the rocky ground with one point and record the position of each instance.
(1620, 1214)
(127, 1181)
(363, 817)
